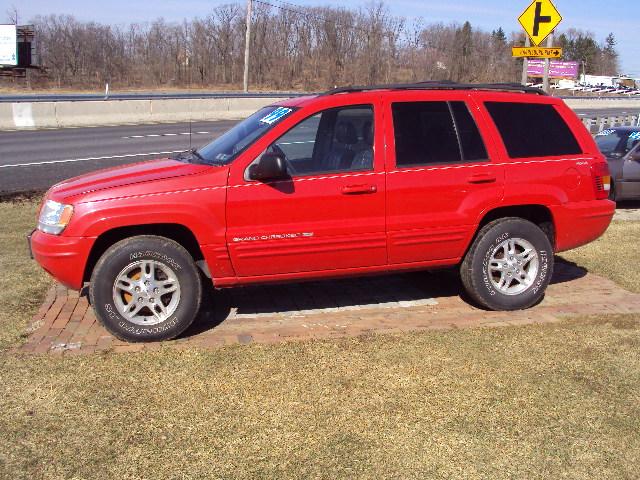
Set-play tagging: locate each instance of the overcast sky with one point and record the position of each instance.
(601, 17)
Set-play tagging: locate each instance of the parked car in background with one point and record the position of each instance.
(621, 147)
(493, 179)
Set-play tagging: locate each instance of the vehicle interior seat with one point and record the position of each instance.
(341, 154)
(363, 159)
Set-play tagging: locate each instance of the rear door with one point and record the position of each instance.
(440, 175)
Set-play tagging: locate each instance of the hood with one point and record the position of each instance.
(136, 173)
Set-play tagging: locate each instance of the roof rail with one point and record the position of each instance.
(439, 85)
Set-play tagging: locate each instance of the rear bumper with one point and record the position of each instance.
(580, 223)
(64, 258)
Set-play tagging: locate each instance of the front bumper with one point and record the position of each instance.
(579, 223)
(64, 258)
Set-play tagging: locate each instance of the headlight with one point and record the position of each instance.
(54, 217)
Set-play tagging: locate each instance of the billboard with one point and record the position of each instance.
(556, 70)
(8, 45)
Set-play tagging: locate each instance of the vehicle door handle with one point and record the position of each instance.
(358, 189)
(482, 178)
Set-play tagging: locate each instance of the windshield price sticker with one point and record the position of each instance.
(276, 115)
(635, 136)
(605, 133)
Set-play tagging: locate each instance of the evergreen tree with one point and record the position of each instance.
(499, 37)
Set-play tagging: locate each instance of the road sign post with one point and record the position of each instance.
(525, 63)
(547, 63)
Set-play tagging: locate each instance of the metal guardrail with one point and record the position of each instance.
(599, 123)
(84, 97)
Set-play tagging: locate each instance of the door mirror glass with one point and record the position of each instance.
(270, 166)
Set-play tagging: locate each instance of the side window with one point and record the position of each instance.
(473, 148)
(532, 130)
(435, 132)
(335, 140)
(299, 142)
(632, 141)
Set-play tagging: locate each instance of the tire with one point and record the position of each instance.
(146, 289)
(494, 279)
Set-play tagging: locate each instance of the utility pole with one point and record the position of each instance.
(246, 47)
(547, 66)
(525, 63)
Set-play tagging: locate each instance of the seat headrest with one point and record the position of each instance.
(346, 133)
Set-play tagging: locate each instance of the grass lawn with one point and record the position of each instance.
(531, 402)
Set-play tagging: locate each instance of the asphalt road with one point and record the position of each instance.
(36, 159)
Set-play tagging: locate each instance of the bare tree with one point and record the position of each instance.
(292, 48)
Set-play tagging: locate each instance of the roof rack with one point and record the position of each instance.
(444, 85)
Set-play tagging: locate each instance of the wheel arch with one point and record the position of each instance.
(535, 213)
(173, 231)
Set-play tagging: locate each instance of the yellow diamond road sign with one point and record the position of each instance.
(539, 20)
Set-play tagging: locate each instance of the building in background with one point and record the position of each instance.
(17, 59)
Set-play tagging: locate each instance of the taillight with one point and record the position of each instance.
(601, 179)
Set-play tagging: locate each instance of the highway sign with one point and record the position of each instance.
(8, 45)
(539, 20)
(537, 52)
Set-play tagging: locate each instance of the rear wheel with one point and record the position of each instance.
(509, 265)
(146, 288)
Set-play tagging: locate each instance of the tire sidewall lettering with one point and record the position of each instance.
(542, 272)
(137, 329)
(485, 263)
(153, 255)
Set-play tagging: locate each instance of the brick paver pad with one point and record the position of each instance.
(65, 324)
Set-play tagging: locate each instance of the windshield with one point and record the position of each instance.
(617, 141)
(226, 148)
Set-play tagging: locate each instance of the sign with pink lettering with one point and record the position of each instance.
(556, 70)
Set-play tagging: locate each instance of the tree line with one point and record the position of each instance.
(307, 48)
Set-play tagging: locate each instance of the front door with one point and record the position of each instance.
(329, 215)
(631, 168)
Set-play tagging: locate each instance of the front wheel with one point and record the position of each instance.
(509, 265)
(145, 289)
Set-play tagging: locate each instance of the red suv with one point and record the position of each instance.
(493, 178)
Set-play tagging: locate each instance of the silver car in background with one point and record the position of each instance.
(621, 146)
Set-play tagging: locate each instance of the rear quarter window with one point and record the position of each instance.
(533, 130)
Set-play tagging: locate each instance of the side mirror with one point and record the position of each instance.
(271, 166)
